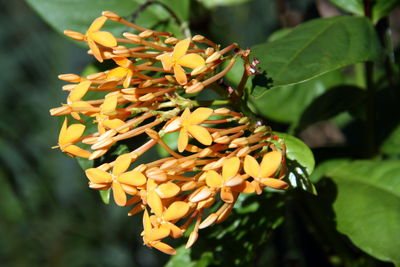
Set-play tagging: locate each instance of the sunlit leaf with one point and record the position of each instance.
(317, 47)
(367, 206)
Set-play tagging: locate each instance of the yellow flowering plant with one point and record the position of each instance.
(222, 151)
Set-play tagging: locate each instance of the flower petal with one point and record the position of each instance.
(167, 190)
(117, 73)
(167, 249)
(118, 194)
(109, 105)
(176, 232)
(63, 132)
(131, 190)
(180, 75)
(133, 178)
(251, 166)
(213, 179)
(176, 211)
(226, 195)
(230, 168)
(128, 79)
(181, 48)
(191, 61)
(245, 187)
(77, 151)
(79, 91)
(159, 233)
(155, 203)
(97, 24)
(104, 38)
(270, 163)
(122, 163)
(166, 61)
(73, 133)
(183, 140)
(95, 50)
(274, 183)
(146, 223)
(199, 115)
(200, 134)
(98, 176)
(114, 124)
(185, 114)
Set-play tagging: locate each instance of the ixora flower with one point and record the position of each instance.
(178, 59)
(188, 123)
(69, 135)
(262, 174)
(230, 178)
(120, 180)
(139, 98)
(94, 36)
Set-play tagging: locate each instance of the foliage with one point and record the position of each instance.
(330, 83)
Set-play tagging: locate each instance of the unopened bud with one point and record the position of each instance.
(111, 15)
(171, 40)
(146, 34)
(74, 35)
(215, 56)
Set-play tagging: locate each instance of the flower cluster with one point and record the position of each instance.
(150, 93)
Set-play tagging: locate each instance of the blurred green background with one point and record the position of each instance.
(48, 215)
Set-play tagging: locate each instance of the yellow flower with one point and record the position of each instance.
(120, 180)
(229, 178)
(152, 236)
(94, 36)
(75, 96)
(262, 173)
(178, 59)
(124, 73)
(188, 123)
(69, 135)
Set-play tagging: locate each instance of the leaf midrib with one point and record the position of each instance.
(306, 45)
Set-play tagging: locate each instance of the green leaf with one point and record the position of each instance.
(383, 8)
(367, 206)
(391, 146)
(183, 258)
(300, 162)
(321, 169)
(105, 195)
(317, 47)
(352, 6)
(331, 103)
(77, 15)
(380, 8)
(216, 3)
(287, 103)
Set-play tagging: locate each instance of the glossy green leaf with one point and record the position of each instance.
(317, 47)
(380, 8)
(324, 167)
(287, 103)
(352, 6)
(367, 206)
(105, 195)
(383, 8)
(300, 162)
(77, 15)
(183, 258)
(216, 3)
(391, 146)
